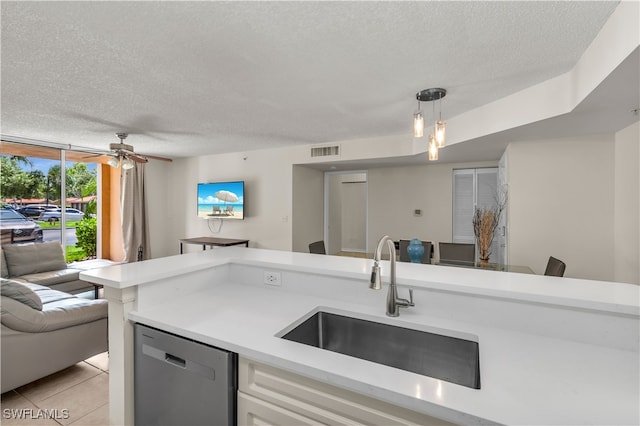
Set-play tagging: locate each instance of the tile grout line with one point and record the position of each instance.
(60, 391)
(38, 403)
(67, 389)
(86, 415)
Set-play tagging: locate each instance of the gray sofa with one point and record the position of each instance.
(45, 330)
(44, 264)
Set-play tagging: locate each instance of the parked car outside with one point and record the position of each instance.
(72, 215)
(34, 210)
(16, 228)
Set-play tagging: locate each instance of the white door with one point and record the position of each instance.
(345, 212)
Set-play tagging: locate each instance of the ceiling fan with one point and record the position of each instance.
(122, 155)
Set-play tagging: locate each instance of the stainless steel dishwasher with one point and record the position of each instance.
(182, 382)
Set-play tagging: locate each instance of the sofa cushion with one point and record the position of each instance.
(21, 293)
(4, 272)
(48, 295)
(54, 315)
(32, 258)
(50, 278)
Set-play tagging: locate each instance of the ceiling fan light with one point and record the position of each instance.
(127, 163)
(433, 148)
(418, 124)
(114, 162)
(440, 131)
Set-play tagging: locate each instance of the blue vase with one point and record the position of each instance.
(415, 250)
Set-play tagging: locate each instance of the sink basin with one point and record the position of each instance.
(452, 359)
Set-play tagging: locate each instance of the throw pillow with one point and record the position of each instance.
(21, 293)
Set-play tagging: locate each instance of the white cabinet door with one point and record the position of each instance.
(256, 412)
(283, 396)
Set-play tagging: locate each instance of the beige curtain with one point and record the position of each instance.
(133, 209)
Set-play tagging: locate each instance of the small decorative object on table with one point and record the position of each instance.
(415, 250)
(485, 222)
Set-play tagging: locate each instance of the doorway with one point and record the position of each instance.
(345, 212)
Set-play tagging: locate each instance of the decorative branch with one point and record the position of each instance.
(485, 222)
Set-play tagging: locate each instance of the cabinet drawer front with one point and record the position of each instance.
(256, 412)
(324, 403)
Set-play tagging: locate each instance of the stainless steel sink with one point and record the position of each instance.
(452, 359)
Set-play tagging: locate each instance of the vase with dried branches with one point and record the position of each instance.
(485, 222)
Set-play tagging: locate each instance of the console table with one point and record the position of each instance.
(213, 241)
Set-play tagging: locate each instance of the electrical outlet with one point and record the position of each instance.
(272, 278)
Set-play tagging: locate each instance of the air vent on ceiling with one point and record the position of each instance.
(325, 151)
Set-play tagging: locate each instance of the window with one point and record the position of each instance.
(36, 185)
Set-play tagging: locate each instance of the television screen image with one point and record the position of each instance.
(223, 200)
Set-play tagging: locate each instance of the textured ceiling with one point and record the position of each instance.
(193, 78)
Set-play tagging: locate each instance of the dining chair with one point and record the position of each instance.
(457, 253)
(426, 257)
(555, 267)
(317, 247)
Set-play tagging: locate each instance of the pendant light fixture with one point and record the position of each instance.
(418, 123)
(439, 128)
(433, 148)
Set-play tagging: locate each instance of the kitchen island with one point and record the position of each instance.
(552, 350)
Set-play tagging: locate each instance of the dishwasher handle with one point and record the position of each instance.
(161, 355)
(175, 360)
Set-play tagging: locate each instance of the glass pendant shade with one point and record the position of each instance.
(127, 163)
(440, 130)
(418, 124)
(433, 148)
(113, 162)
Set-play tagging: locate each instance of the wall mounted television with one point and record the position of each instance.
(221, 200)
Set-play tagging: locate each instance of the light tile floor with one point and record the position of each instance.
(77, 396)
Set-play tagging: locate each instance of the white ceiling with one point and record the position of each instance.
(195, 78)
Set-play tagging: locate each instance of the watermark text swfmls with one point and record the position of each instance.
(33, 414)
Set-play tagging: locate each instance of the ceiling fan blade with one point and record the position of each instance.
(153, 157)
(137, 158)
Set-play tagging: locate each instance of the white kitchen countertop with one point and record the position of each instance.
(526, 378)
(607, 296)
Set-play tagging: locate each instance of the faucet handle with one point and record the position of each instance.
(411, 297)
(376, 279)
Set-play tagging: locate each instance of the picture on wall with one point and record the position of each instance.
(224, 200)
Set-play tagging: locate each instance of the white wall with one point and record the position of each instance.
(268, 197)
(395, 192)
(157, 177)
(565, 196)
(333, 210)
(626, 204)
(308, 207)
(561, 204)
(268, 176)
